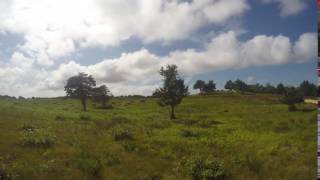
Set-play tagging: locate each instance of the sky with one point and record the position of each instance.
(123, 44)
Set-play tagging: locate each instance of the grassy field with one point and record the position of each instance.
(244, 136)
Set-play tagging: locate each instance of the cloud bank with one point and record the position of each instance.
(54, 32)
(140, 69)
(54, 29)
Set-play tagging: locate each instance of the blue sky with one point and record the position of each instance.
(123, 44)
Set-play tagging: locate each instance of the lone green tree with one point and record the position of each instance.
(281, 89)
(291, 97)
(173, 90)
(101, 95)
(210, 87)
(80, 87)
(229, 85)
(199, 85)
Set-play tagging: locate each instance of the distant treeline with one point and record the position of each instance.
(306, 88)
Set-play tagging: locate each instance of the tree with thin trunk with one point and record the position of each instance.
(80, 87)
(173, 90)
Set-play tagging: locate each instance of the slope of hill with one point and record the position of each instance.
(248, 136)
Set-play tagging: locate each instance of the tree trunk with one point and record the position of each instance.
(84, 105)
(172, 113)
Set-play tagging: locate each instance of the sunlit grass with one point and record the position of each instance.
(252, 136)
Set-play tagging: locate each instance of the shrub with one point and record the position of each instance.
(106, 124)
(167, 153)
(253, 163)
(154, 176)
(160, 124)
(90, 166)
(112, 159)
(130, 147)
(121, 132)
(188, 122)
(85, 117)
(103, 124)
(37, 139)
(119, 120)
(203, 168)
(27, 127)
(60, 117)
(208, 123)
(189, 133)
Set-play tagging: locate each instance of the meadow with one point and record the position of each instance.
(221, 136)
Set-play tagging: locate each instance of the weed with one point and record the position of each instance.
(60, 117)
(121, 132)
(112, 159)
(85, 117)
(189, 133)
(130, 147)
(27, 127)
(90, 166)
(120, 120)
(37, 138)
(203, 168)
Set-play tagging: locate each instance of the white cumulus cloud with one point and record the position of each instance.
(225, 51)
(54, 29)
(289, 7)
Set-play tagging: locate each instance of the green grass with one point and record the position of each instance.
(243, 136)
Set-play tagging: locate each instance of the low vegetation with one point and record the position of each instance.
(223, 135)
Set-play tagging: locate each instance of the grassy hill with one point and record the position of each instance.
(244, 136)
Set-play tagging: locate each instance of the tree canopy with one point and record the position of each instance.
(308, 89)
(101, 95)
(291, 97)
(80, 86)
(173, 90)
(205, 87)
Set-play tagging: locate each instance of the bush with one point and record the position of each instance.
(84, 117)
(208, 123)
(90, 166)
(27, 127)
(121, 132)
(130, 147)
(119, 120)
(189, 133)
(154, 176)
(203, 168)
(188, 122)
(112, 159)
(37, 139)
(60, 117)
